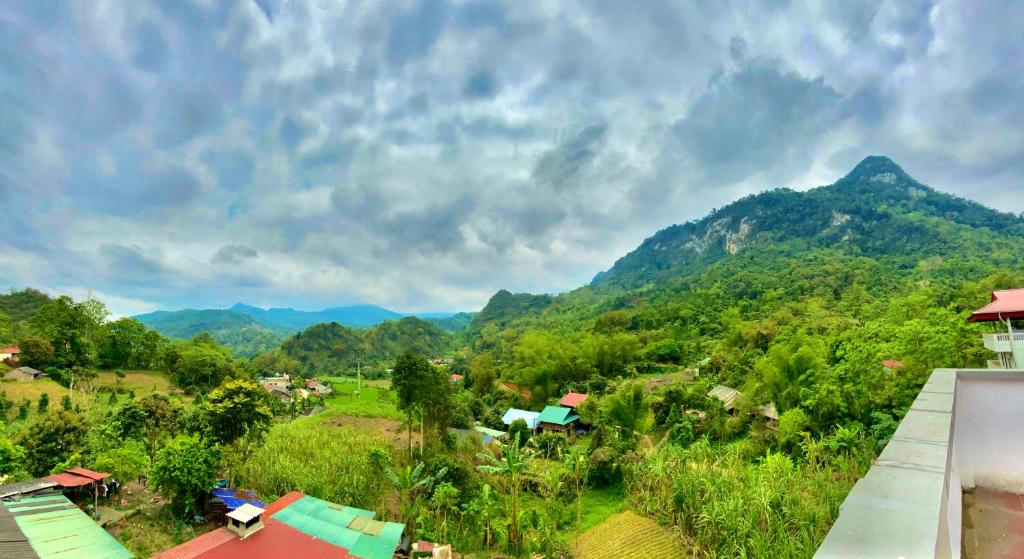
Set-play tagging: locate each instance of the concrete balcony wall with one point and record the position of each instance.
(964, 430)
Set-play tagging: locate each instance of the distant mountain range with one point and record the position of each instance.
(249, 330)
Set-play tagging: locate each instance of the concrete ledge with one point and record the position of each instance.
(908, 504)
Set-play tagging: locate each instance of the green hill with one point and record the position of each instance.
(242, 333)
(331, 348)
(875, 266)
(877, 210)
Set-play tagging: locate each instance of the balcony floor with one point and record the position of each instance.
(993, 525)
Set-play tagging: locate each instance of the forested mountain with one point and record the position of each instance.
(249, 330)
(332, 349)
(877, 210)
(876, 247)
(360, 316)
(504, 307)
(245, 335)
(452, 323)
(21, 305)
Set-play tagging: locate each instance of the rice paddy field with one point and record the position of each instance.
(627, 535)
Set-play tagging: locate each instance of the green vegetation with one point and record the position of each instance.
(245, 335)
(792, 298)
(369, 401)
(332, 349)
(341, 465)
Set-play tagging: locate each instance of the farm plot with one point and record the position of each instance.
(627, 535)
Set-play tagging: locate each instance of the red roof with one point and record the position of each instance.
(275, 540)
(572, 399)
(1006, 303)
(69, 480)
(892, 363)
(11, 349)
(96, 476)
(456, 377)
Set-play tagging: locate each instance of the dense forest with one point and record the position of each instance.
(794, 299)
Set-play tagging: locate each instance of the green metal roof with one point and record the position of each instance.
(488, 431)
(348, 527)
(57, 529)
(557, 415)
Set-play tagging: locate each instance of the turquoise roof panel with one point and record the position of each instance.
(366, 538)
(57, 529)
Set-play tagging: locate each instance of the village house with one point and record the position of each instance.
(9, 354)
(24, 374)
(728, 396)
(557, 419)
(891, 365)
(1007, 341)
(281, 394)
(572, 400)
(284, 382)
(455, 377)
(530, 417)
(318, 387)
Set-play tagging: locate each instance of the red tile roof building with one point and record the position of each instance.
(572, 399)
(1006, 304)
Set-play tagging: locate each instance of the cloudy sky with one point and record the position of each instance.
(421, 155)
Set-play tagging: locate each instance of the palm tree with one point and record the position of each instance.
(411, 483)
(514, 466)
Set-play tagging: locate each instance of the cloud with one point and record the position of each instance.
(233, 254)
(423, 154)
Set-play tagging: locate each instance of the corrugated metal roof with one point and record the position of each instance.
(27, 487)
(63, 531)
(13, 542)
(348, 527)
(95, 476)
(728, 396)
(489, 431)
(557, 415)
(69, 480)
(245, 513)
(530, 417)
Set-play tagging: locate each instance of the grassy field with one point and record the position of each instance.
(627, 535)
(371, 401)
(142, 382)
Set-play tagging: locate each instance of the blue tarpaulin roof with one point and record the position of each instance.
(235, 498)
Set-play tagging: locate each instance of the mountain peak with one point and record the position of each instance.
(878, 168)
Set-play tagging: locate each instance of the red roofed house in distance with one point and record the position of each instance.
(1006, 310)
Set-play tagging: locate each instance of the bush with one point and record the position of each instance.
(664, 351)
(519, 427)
(791, 424)
(550, 445)
(604, 467)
